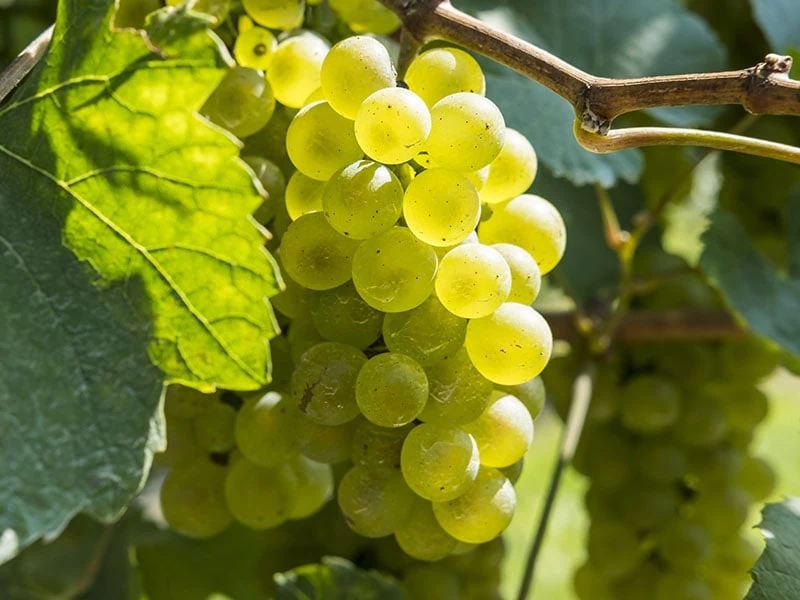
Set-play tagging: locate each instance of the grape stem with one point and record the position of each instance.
(762, 89)
(24, 62)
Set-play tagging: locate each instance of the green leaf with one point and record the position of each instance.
(336, 579)
(776, 575)
(615, 38)
(780, 22)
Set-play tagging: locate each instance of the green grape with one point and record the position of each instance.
(638, 584)
(355, 68)
(363, 199)
(392, 125)
(647, 506)
(422, 537)
(314, 486)
(745, 408)
(679, 586)
(439, 462)
(303, 195)
(193, 500)
(467, 132)
(266, 430)
(605, 456)
(700, 424)
(473, 281)
(302, 337)
(242, 103)
(715, 467)
(375, 446)
(276, 14)
(274, 183)
(441, 207)
(531, 223)
(216, 8)
(478, 178)
(254, 47)
(391, 389)
(324, 381)
(394, 271)
(440, 72)
(320, 142)
(750, 359)
(282, 363)
(649, 404)
(316, 96)
(735, 554)
(503, 432)
(722, 510)
(756, 478)
(270, 141)
(659, 460)
(510, 346)
(458, 392)
(431, 582)
(328, 444)
(181, 445)
(605, 396)
(375, 501)
(526, 279)
(531, 393)
(512, 172)
(294, 301)
(589, 584)
(613, 548)
(186, 403)
(214, 428)
(366, 16)
(340, 315)
(260, 498)
(426, 333)
(684, 544)
(483, 512)
(513, 472)
(315, 255)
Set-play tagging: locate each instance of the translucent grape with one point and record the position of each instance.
(391, 389)
(478, 178)
(422, 537)
(392, 125)
(503, 432)
(650, 403)
(314, 486)
(660, 460)
(254, 47)
(722, 509)
(375, 501)
(756, 478)
(647, 506)
(441, 207)
(745, 408)
(441, 72)
(394, 271)
(526, 278)
(590, 585)
(276, 14)
(366, 16)
(294, 301)
(684, 543)
(242, 103)
(214, 428)
(679, 586)
(613, 548)
(266, 430)
(439, 462)
(181, 445)
(375, 446)
(700, 424)
(513, 472)
(216, 8)
(328, 444)
(340, 315)
(531, 393)
(510, 346)
(512, 172)
(303, 195)
(271, 177)
(186, 403)
(473, 281)
(260, 498)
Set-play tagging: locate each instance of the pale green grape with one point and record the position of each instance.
(392, 125)
(512, 172)
(316, 96)
(276, 14)
(439, 462)
(467, 132)
(375, 501)
(473, 281)
(589, 584)
(214, 428)
(749, 360)
(531, 223)
(422, 537)
(315, 255)
(715, 467)
(302, 337)
(266, 430)
(193, 499)
(458, 392)
(441, 207)
(526, 278)
(756, 478)
(605, 456)
(303, 195)
(242, 103)
(260, 498)
(320, 142)
(355, 68)
(613, 548)
(181, 445)
(375, 446)
(531, 393)
(700, 424)
(324, 382)
(483, 512)
(734, 553)
(328, 444)
(366, 16)
(271, 178)
(639, 584)
(431, 582)
(503, 432)
(510, 346)
(391, 389)
(647, 506)
(650, 404)
(363, 199)
(314, 486)
(513, 472)
(660, 460)
(478, 178)
(680, 586)
(722, 510)
(186, 403)
(426, 333)
(684, 543)
(254, 47)
(394, 271)
(340, 315)
(216, 8)
(294, 301)
(744, 408)
(441, 72)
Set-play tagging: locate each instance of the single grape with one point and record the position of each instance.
(216, 8)
(276, 14)
(267, 428)
(473, 281)
(314, 486)
(700, 424)
(375, 446)
(431, 582)
(650, 404)
(214, 428)
(684, 543)
(458, 392)
(756, 478)
(715, 467)
(745, 408)
(391, 389)
(512, 172)
(531, 393)
(242, 103)
(328, 444)
(422, 537)
(366, 16)
(181, 445)
(503, 432)
(260, 498)
(613, 548)
(660, 460)
(513, 472)
(254, 47)
(303, 195)
(722, 510)
(604, 454)
(646, 506)
(440, 72)
(526, 278)
(340, 315)
(392, 125)
(750, 359)
(186, 403)
(294, 301)
(375, 501)
(302, 337)
(274, 183)
(589, 584)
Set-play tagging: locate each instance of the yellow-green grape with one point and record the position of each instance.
(650, 403)
(302, 337)
(266, 430)
(320, 142)
(272, 179)
(260, 498)
(315, 255)
(483, 512)
(734, 553)
(254, 48)
(303, 195)
(392, 125)
(700, 424)
(683, 543)
(432, 582)
(647, 506)
(531, 393)
(213, 429)
(426, 333)
(193, 499)
(375, 501)
(513, 472)
(478, 178)
(590, 584)
(513, 171)
(526, 278)
(328, 444)
(714, 467)
(375, 446)
(394, 271)
(439, 462)
(314, 486)
(473, 281)
(613, 548)
(503, 432)
(510, 346)
(756, 478)
(531, 223)
(181, 445)
(276, 14)
(340, 315)
(363, 199)
(216, 8)
(458, 392)
(242, 103)
(750, 359)
(660, 460)
(315, 96)
(186, 403)
(680, 586)
(355, 68)
(441, 207)
(391, 389)
(467, 132)
(295, 300)
(366, 16)
(294, 68)
(472, 238)
(722, 510)
(440, 72)
(745, 408)
(324, 383)
(422, 537)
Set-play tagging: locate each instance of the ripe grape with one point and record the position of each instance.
(242, 103)
(274, 183)
(613, 548)
(266, 430)
(181, 444)
(458, 392)
(700, 424)
(526, 278)
(531, 393)
(660, 460)
(392, 125)
(214, 428)
(314, 486)
(440, 72)
(503, 432)
(366, 16)
(677, 586)
(254, 47)
(473, 281)
(260, 498)
(431, 582)
(649, 404)
(375, 501)
(340, 315)
(303, 195)
(684, 543)
(722, 510)
(375, 446)
(756, 478)
(422, 537)
(276, 14)
(391, 389)
(328, 444)
(185, 402)
(512, 172)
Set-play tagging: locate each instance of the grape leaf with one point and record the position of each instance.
(780, 22)
(776, 575)
(335, 579)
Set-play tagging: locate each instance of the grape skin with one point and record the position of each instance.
(391, 389)
(440, 72)
(473, 281)
(503, 432)
(375, 502)
(276, 14)
(260, 498)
